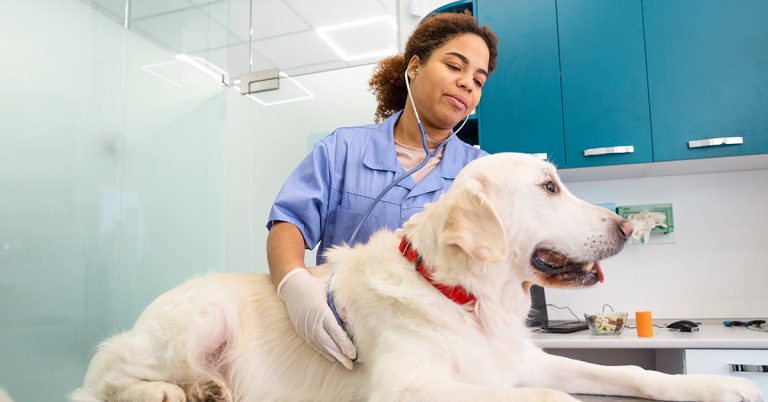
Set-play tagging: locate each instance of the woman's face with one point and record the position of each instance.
(447, 87)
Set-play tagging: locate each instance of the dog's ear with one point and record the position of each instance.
(473, 225)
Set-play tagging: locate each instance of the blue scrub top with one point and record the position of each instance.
(327, 194)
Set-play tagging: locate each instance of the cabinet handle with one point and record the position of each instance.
(749, 368)
(625, 149)
(715, 142)
(542, 156)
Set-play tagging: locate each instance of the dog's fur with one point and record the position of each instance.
(228, 338)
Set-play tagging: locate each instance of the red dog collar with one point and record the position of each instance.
(456, 293)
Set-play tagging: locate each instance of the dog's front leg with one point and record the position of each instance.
(586, 378)
(145, 391)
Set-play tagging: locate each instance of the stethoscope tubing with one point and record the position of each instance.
(427, 157)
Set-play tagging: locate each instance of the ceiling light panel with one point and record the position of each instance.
(169, 71)
(362, 39)
(187, 70)
(299, 49)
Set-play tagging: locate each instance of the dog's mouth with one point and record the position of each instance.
(565, 270)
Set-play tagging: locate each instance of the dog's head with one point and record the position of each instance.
(513, 208)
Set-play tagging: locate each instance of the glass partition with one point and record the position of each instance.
(129, 163)
(112, 176)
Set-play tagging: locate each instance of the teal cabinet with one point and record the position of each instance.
(594, 113)
(707, 76)
(668, 79)
(458, 6)
(604, 87)
(521, 109)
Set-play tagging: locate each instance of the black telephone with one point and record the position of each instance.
(538, 318)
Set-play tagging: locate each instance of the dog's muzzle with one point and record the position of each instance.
(564, 269)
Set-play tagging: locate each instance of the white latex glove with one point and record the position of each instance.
(307, 302)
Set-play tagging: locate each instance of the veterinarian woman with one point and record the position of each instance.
(447, 60)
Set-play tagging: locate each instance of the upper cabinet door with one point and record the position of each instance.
(605, 88)
(708, 77)
(520, 109)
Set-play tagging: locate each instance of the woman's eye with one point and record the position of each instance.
(454, 68)
(480, 84)
(551, 187)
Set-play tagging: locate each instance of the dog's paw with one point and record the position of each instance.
(729, 389)
(208, 391)
(739, 390)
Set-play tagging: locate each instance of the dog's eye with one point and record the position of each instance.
(551, 187)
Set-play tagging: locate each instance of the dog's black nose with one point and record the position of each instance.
(626, 228)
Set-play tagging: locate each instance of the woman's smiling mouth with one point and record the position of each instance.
(458, 101)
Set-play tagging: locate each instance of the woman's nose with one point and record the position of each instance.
(465, 83)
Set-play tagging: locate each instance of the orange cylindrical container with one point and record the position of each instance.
(644, 322)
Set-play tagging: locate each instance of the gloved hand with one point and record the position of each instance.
(307, 302)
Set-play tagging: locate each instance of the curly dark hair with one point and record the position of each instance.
(387, 82)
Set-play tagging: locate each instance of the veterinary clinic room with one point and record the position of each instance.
(383, 200)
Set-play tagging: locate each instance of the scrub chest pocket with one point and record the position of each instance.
(343, 222)
(387, 214)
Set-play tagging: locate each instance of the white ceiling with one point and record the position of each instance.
(283, 33)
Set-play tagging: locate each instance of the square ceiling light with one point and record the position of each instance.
(173, 72)
(362, 39)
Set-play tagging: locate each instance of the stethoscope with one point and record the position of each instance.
(427, 157)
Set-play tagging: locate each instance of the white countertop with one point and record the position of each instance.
(711, 336)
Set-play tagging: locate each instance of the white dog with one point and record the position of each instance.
(506, 223)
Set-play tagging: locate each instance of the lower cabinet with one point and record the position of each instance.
(751, 364)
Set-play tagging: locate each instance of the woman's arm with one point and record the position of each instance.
(285, 250)
(305, 296)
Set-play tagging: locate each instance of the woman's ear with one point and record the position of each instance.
(413, 66)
